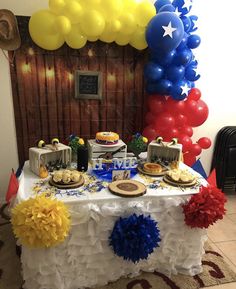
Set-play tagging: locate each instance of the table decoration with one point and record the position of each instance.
(127, 188)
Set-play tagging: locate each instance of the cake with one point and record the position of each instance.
(107, 138)
(152, 168)
(182, 176)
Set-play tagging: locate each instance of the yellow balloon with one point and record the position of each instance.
(128, 24)
(90, 4)
(111, 8)
(92, 38)
(56, 6)
(144, 12)
(63, 25)
(42, 30)
(75, 39)
(138, 39)
(108, 35)
(73, 10)
(115, 25)
(92, 23)
(122, 39)
(130, 5)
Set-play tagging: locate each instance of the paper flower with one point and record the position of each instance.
(135, 237)
(75, 142)
(40, 222)
(205, 208)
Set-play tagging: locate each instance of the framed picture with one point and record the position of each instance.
(120, 175)
(88, 85)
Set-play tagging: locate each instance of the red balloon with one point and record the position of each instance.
(149, 118)
(195, 149)
(175, 106)
(180, 120)
(204, 142)
(194, 94)
(170, 133)
(189, 159)
(187, 130)
(156, 103)
(164, 121)
(196, 112)
(186, 141)
(150, 133)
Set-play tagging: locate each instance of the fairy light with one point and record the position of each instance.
(31, 51)
(90, 53)
(111, 77)
(25, 68)
(50, 73)
(70, 76)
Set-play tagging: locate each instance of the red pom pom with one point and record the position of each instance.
(205, 208)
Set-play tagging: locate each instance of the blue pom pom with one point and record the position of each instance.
(135, 237)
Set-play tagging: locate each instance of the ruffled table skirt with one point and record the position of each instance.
(85, 259)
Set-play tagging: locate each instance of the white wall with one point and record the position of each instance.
(217, 63)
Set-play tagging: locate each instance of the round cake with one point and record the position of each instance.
(152, 168)
(107, 138)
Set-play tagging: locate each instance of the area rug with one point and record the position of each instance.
(215, 269)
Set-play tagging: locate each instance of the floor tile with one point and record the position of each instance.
(229, 250)
(222, 230)
(232, 217)
(231, 204)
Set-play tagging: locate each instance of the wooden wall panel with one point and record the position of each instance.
(43, 85)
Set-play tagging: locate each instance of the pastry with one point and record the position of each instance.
(182, 176)
(152, 168)
(107, 138)
(66, 176)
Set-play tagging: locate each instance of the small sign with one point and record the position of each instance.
(118, 175)
(88, 85)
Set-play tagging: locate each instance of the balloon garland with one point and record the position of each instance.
(205, 208)
(40, 222)
(134, 238)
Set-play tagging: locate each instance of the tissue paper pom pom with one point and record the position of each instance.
(135, 237)
(40, 222)
(205, 208)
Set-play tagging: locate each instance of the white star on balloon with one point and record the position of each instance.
(185, 89)
(168, 30)
(196, 70)
(187, 4)
(194, 24)
(177, 12)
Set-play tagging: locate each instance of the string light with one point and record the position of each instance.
(50, 73)
(70, 76)
(30, 51)
(111, 77)
(90, 53)
(25, 68)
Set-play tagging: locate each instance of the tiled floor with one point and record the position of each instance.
(222, 238)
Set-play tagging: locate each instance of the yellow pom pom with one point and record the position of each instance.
(81, 141)
(40, 222)
(145, 139)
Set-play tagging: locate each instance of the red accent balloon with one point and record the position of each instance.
(186, 141)
(187, 130)
(170, 133)
(204, 142)
(189, 159)
(196, 112)
(195, 149)
(175, 106)
(194, 94)
(180, 120)
(156, 103)
(150, 133)
(149, 118)
(164, 121)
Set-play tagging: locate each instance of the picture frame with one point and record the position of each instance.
(88, 85)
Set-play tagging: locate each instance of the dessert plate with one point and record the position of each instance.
(71, 185)
(171, 182)
(127, 188)
(162, 173)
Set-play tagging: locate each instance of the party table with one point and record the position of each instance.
(85, 258)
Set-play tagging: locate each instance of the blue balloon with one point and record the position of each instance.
(182, 7)
(164, 86)
(187, 23)
(183, 43)
(153, 71)
(193, 41)
(183, 57)
(151, 87)
(159, 3)
(163, 58)
(167, 8)
(193, 19)
(175, 73)
(164, 32)
(190, 71)
(180, 89)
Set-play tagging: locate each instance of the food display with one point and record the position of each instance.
(178, 177)
(107, 138)
(152, 168)
(67, 179)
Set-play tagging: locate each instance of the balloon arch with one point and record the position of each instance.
(166, 28)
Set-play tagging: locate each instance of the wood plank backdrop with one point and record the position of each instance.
(43, 88)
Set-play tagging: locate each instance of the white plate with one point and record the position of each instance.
(107, 146)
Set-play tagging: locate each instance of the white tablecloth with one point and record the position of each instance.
(85, 259)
